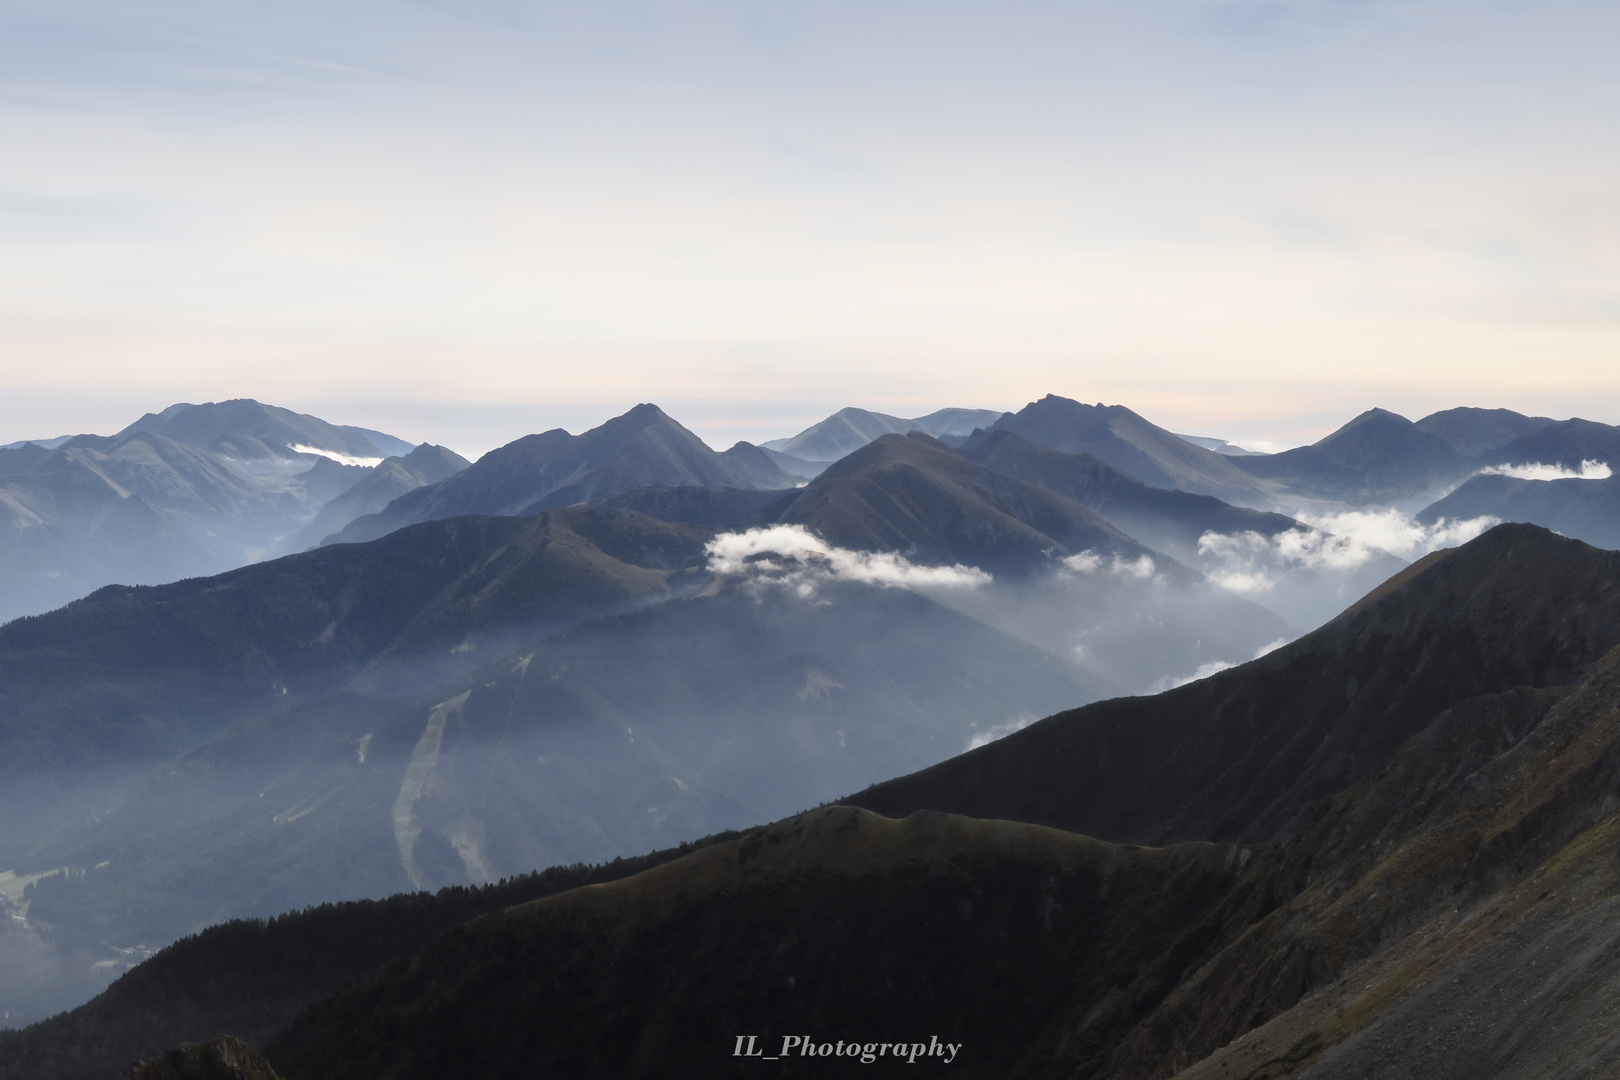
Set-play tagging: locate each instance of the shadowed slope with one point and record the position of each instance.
(1475, 432)
(130, 675)
(426, 464)
(1378, 457)
(913, 495)
(223, 1058)
(1568, 443)
(1586, 510)
(1432, 893)
(1238, 755)
(807, 928)
(1170, 521)
(1128, 442)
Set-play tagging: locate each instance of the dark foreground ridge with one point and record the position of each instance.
(1386, 850)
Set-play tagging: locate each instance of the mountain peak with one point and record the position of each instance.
(1137, 446)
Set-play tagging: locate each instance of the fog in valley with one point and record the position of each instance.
(479, 695)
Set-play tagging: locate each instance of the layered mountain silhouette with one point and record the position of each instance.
(1220, 446)
(195, 489)
(1385, 846)
(914, 495)
(642, 448)
(1066, 580)
(1378, 456)
(692, 703)
(1385, 849)
(387, 481)
(1566, 443)
(245, 430)
(847, 430)
(1584, 509)
(101, 690)
(1141, 449)
(582, 683)
(1285, 565)
(1171, 521)
(1473, 433)
(1382, 458)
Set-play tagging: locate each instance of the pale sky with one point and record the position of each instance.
(466, 220)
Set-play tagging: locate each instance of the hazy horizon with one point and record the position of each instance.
(467, 220)
(719, 432)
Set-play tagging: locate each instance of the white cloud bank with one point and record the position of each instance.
(1248, 562)
(792, 555)
(1089, 562)
(1589, 470)
(1392, 531)
(341, 459)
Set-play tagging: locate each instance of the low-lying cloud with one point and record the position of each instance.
(1249, 562)
(341, 459)
(792, 555)
(1397, 533)
(1089, 562)
(1589, 470)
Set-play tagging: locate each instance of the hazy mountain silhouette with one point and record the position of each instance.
(1284, 565)
(1475, 432)
(387, 481)
(99, 691)
(914, 495)
(1220, 446)
(1170, 521)
(1586, 510)
(1390, 846)
(245, 430)
(1382, 458)
(627, 734)
(642, 448)
(1377, 457)
(1568, 443)
(1151, 454)
(847, 430)
(195, 489)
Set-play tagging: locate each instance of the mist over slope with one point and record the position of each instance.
(701, 642)
(1425, 879)
(1302, 573)
(193, 490)
(474, 697)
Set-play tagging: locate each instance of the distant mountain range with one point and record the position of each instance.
(585, 647)
(195, 489)
(1384, 847)
(642, 448)
(847, 430)
(1377, 459)
(577, 684)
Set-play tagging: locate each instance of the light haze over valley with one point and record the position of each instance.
(699, 539)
